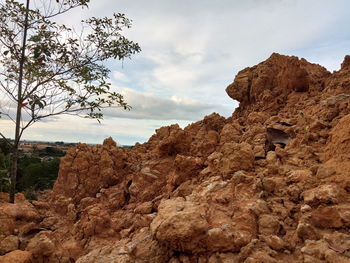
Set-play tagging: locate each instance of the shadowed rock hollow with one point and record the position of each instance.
(269, 184)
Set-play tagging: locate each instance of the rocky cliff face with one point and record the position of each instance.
(269, 184)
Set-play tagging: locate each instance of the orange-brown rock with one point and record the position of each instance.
(23, 211)
(269, 83)
(84, 171)
(109, 142)
(17, 256)
(186, 168)
(41, 245)
(339, 144)
(181, 225)
(269, 184)
(8, 244)
(173, 140)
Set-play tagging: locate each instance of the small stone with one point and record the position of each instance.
(259, 207)
(240, 177)
(125, 232)
(327, 217)
(305, 208)
(306, 231)
(184, 259)
(297, 176)
(269, 184)
(144, 208)
(275, 242)
(328, 193)
(269, 225)
(259, 151)
(324, 172)
(8, 244)
(17, 256)
(213, 259)
(41, 244)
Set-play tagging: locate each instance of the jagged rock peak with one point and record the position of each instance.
(346, 62)
(277, 76)
(109, 142)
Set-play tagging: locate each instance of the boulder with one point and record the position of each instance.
(328, 193)
(181, 225)
(274, 79)
(17, 256)
(8, 244)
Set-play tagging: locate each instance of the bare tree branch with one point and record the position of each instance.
(6, 140)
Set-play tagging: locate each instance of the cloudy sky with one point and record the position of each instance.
(191, 50)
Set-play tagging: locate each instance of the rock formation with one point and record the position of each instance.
(269, 184)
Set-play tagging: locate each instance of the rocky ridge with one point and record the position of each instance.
(269, 184)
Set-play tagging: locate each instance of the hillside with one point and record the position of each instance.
(269, 184)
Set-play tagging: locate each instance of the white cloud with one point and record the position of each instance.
(191, 50)
(150, 107)
(119, 76)
(124, 131)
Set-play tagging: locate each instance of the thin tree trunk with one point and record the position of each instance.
(13, 173)
(14, 159)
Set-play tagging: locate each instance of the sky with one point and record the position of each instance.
(191, 51)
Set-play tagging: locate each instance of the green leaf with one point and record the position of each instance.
(35, 38)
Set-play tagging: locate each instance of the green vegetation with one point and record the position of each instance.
(50, 151)
(36, 174)
(4, 170)
(37, 170)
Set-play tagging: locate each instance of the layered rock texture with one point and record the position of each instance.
(269, 184)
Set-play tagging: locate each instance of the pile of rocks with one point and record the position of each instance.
(269, 184)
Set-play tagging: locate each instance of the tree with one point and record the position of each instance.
(39, 175)
(49, 69)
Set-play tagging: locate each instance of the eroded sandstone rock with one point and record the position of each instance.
(17, 256)
(8, 244)
(269, 184)
(181, 225)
